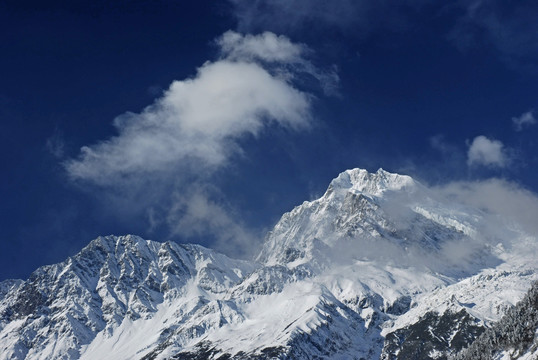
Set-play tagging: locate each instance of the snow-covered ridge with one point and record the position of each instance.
(341, 277)
(371, 184)
(112, 282)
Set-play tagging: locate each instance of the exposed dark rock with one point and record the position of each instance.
(434, 336)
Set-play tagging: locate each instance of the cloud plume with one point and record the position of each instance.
(196, 120)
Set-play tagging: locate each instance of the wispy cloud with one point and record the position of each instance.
(526, 119)
(270, 48)
(195, 129)
(487, 152)
(285, 15)
(197, 212)
(267, 47)
(55, 144)
(359, 16)
(509, 27)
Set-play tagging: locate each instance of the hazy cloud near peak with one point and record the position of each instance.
(526, 119)
(194, 129)
(487, 152)
(498, 198)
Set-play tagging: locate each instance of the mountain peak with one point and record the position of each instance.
(355, 207)
(374, 184)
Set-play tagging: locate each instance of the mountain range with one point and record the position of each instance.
(379, 267)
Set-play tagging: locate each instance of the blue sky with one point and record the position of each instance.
(205, 121)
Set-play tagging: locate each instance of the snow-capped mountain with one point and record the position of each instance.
(380, 266)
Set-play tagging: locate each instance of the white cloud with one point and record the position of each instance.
(488, 152)
(199, 119)
(526, 119)
(194, 130)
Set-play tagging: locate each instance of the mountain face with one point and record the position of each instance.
(379, 267)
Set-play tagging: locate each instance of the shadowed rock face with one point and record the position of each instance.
(205, 351)
(367, 271)
(30, 300)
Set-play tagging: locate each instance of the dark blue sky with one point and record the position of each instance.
(442, 93)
